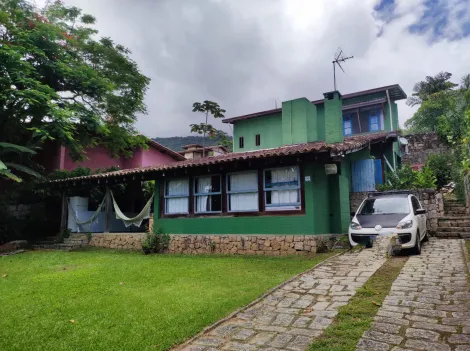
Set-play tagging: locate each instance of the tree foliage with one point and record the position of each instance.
(59, 82)
(209, 107)
(429, 86)
(406, 178)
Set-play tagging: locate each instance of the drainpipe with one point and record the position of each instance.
(391, 128)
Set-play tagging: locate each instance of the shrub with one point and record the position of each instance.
(441, 165)
(156, 242)
(407, 178)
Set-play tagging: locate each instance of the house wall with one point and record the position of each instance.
(269, 127)
(152, 156)
(98, 157)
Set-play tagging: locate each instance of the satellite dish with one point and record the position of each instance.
(403, 141)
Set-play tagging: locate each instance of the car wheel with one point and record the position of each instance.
(417, 247)
(426, 237)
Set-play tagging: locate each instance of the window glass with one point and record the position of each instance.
(282, 188)
(385, 205)
(207, 194)
(415, 203)
(241, 142)
(374, 121)
(177, 196)
(347, 125)
(242, 190)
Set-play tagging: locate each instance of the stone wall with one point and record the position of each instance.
(431, 200)
(272, 245)
(420, 147)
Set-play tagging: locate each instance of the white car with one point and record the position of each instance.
(385, 213)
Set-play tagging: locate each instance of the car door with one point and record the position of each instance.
(420, 218)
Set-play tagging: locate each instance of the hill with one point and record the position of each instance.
(176, 143)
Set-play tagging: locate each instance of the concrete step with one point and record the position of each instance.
(444, 235)
(453, 221)
(455, 213)
(454, 229)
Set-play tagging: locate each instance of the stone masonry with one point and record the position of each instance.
(272, 245)
(292, 315)
(431, 200)
(428, 307)
(420, 147)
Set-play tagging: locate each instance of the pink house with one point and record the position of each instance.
(55, 156)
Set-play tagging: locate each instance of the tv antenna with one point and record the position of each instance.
(339, 57)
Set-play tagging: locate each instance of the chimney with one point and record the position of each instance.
(333, 117)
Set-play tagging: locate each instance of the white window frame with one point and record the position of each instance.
(196, 194)
(179, 196)
(248, 191)
(283, 207)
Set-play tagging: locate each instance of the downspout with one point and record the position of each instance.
(391, 128)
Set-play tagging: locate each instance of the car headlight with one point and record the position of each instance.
(355, 226)
(405, 224)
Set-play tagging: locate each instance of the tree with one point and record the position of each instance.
(431, 85)
(6, 167)
(207, 107)
(58, 83)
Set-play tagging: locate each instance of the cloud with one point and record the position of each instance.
(248, 54)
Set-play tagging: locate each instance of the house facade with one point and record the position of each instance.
(291, 172)
(56, 157)
(195, 151)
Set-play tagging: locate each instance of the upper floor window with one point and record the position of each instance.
(207, 194)
(176, 196)
(347, 125)
(374, 121)
(258, 139)
(282, 188)
(242, 191)
(241, 142)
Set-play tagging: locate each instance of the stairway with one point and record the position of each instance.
(455, 223)
(74, 241)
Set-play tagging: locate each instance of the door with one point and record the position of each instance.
(421, 218)
(378, 172)
(363, 175)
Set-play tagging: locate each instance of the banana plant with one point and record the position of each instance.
(6, 167)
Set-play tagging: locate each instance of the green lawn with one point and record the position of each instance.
(110, 300)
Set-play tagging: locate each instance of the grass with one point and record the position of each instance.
(111, 300)
(356, 317)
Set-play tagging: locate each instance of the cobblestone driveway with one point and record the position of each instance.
(289, 318)
(428, 307)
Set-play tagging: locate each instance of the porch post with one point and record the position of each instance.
(107, 222)
(63, 212)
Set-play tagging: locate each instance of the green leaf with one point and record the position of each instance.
(18, 148)
(24, 169)
(6, 173)
(2, 166)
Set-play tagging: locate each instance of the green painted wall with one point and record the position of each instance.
(333, 118)
(321, 121)
(299, 121)
(269, 127)
(321, 200)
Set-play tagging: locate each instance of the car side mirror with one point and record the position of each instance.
(420, 211)
(353, 214)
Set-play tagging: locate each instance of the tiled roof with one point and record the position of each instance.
(351, 143)
(395, 91)
(166, 150)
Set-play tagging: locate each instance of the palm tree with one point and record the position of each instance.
(6, 167)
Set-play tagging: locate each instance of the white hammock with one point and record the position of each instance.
(91, 219)
(137, 220)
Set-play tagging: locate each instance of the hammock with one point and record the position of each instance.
(91, 219)
(137, 220)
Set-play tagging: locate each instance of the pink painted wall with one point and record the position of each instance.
(55, 157)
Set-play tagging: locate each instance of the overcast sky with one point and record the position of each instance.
(246, 54)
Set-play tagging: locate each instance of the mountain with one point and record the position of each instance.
(176, 143)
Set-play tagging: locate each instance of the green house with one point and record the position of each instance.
(291, 171)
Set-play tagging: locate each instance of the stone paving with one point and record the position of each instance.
(291, 316)
(428, 307)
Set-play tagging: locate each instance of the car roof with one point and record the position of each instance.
(389, 195)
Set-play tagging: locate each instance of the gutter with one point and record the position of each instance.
(391, 127)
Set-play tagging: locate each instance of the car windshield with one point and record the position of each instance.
(385, 205)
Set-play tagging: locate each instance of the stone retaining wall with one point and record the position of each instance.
(420, 147)
(431, 200)
(273, 245)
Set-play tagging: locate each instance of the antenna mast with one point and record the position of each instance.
(339, 57)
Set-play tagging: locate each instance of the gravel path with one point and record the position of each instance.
(428, 307)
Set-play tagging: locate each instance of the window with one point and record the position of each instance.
(258, 139)
(347, 125)
(282, 188)
(176, 196)
(374, 121)
(207, 194)
(241, 142)
(385, 205)
(415, 203)
(242, 191)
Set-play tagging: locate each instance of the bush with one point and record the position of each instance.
(406, 178)
(441, 165)
(156, 242)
